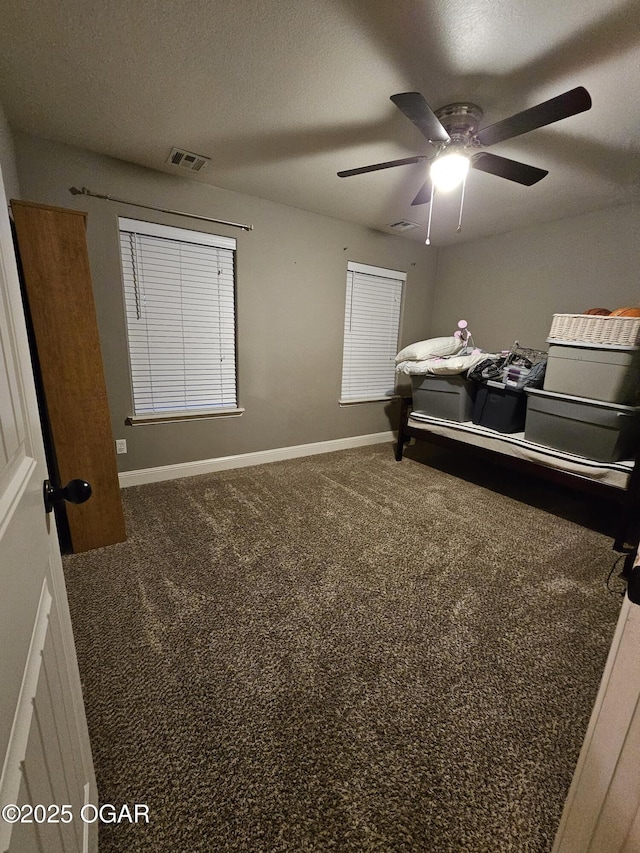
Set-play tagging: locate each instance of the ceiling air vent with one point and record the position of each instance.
(404, 225)
(187, 160)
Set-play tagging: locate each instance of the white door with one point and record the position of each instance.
(602, 811)
(47, 769)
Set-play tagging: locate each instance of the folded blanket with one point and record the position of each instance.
(447, 365)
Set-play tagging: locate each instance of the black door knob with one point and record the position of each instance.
(75, 492)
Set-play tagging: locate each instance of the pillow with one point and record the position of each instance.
(430, 349)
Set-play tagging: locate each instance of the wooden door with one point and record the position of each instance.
(44, 745)
(57, 281)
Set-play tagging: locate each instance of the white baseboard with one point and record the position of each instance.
(243, 460)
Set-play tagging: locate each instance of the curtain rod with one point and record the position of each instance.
(85, 191)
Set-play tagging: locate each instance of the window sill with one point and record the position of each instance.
(386, 399)
(178, 417)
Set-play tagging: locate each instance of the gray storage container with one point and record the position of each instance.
(605, 432)
(598, 373)
(449, 397)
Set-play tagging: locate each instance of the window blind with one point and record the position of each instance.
(179, 293)
(371, 330)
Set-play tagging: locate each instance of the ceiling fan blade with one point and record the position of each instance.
(512, 170)
(424, 194)
(569, 104)
(388, 165)
(417, 110)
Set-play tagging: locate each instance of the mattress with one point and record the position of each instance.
(614, 474)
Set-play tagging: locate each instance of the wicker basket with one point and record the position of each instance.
(595, 330)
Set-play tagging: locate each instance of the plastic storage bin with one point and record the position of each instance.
(605, 432)
(598, 373)
(449, 397)
(500, 407)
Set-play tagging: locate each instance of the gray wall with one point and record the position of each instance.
(7, 159)
(508, 287)
(291, 281)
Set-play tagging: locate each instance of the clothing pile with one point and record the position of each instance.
(516, 368)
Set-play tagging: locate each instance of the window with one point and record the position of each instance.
(371, 331)
(179, 292)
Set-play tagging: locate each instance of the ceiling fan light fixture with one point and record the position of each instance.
(453, 131)
(449, 171)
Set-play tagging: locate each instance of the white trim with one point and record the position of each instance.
(18, 739)
(153, 229)
(595, 811)
(85, 825)
(379, 271)
(14, 488)
(243, 460)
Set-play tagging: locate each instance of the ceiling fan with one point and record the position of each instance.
(453, 131)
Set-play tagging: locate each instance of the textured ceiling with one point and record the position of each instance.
(282, 94)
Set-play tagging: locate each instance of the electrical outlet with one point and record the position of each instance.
(121, 445)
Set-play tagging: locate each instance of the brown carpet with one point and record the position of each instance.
(342, 653)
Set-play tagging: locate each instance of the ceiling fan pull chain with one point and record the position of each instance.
(464, 184)
(427, 242)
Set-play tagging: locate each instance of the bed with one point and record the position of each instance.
(618, 481)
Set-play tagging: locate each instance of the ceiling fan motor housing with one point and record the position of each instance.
(461, 121)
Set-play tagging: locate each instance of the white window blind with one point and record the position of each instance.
(180, 306)
(371, 331)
